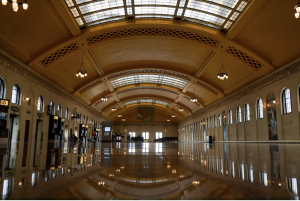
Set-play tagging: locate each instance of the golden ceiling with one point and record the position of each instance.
(151, 60)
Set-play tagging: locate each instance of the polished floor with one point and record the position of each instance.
(149, 171)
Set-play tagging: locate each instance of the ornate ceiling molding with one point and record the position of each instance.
(152, 32)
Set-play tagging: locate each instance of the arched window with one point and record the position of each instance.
(215, 121)
(230, 116)
(286, 101)
(84, 119)
(247, 112)
(67, 113)
(2, 87)
(263, 178)
(211, 122)
(259, 106)
(292, 186)
(40, 104)
(59, 110)
(52, 106)
(87, 120)
(15, 96)
(220, 124)
(239, 114)
(201, 125)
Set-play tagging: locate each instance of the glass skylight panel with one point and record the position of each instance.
(207, 7)
(213, 13)
(70, 3)
(156, 2)
(130, 102)
(162, 103)
(100, 5)
(154, 10)
(146, 101)
(104, 14)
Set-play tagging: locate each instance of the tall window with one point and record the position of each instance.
(230, 117)
(40, 104)
(15, 96)
(67, 113)
(87, 120)
(247, 112)
(59, 110)
(201, 125)
(260, 110)
(286, 101)
(132, 134)
(83, 119)
(207, 125)
(215, 121)
(2, 86)
(158, 135)
(211, 122)
(145, 135)
(220, 120)
(52, 106)
(239, 114)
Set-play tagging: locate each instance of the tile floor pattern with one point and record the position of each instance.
(155, 171)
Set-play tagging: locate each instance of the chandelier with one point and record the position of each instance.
(193, 99)
(81, 72)
(104, 98)
(119, 115)
(180, 109)
(168, 120)
(113, 109)
(297, 9)
(222, 73)
(15, 4)
(173, 115)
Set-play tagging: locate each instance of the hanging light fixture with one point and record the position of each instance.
(181, 108)
(104, 98)
(193, 99)
(123, 119)
(15, 4)
(168, 120)
(173, 115)
(297, 9)
(81, 72)
(113, 109)
(119, 115)
(222, 73)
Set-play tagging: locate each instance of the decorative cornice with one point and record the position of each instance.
(152, 32)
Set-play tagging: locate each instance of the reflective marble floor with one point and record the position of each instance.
(152, 171)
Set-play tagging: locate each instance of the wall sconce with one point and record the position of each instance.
(26, 98)
(20, 183)
(275, 101)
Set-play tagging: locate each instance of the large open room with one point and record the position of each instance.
(149, 99)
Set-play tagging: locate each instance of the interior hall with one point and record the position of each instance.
(149, 99)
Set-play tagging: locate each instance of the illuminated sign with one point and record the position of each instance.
(16, 109)
(4, 102)
(63, 120)
(83, 125)
(55, 117)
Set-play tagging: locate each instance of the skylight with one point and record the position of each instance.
(152, 101)
(148, 79)
(218, 14)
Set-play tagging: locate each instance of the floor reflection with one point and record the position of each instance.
(95, 170)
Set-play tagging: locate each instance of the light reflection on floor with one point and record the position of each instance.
(154, 171)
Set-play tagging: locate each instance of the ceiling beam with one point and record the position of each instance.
(66, 16)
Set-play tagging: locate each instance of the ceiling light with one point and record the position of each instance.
(113, 109)
(123, 119)
(173, 115)
(297, 9)
(81, 72)
(104, 98)
(119, 115)
(15, 4)
(180, 109)
(168, 119)
(222, 75)
(193, 99)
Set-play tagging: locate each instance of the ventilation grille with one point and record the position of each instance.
(89, 86)
(49, 59)
(153, 32)
(244, 57)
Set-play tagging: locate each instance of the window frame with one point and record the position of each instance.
(67, 113)
(284, 102)
(2, 89)
(220, 120)
(52, 107)
(247, 112)
(40, 104)
(230, 122)
(146, 133)
(17, 95)
(259, 108)
(59, 110)
(239, 114)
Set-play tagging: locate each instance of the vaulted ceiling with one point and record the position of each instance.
(152, 53)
